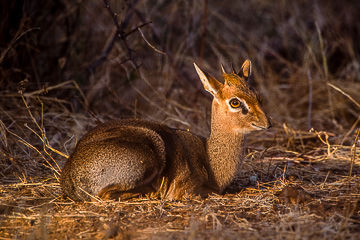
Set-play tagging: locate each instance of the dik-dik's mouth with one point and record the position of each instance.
(260, 127)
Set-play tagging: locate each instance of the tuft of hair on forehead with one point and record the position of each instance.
(232, 79)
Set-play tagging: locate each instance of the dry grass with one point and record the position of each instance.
(63, 72)
(282, 196)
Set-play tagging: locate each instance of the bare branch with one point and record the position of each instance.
(150, 45)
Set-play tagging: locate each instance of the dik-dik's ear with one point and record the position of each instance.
(245, 70)
(210, 84)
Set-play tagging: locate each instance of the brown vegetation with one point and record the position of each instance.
(67, 65)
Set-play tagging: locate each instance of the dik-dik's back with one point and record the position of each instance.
(126, 158)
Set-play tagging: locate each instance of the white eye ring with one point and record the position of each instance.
(232, 109)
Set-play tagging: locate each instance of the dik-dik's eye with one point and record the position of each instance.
(235, 103)
(238, 105)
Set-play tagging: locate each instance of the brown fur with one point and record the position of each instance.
(127, 158)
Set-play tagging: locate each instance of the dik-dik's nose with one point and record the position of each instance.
(263, 123)
(269, 124)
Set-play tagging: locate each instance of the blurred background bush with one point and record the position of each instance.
(297, 48)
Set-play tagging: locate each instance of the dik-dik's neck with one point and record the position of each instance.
(225, 150)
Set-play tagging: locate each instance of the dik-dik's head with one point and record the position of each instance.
(235, 107)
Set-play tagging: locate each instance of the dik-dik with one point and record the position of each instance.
(127, 158)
